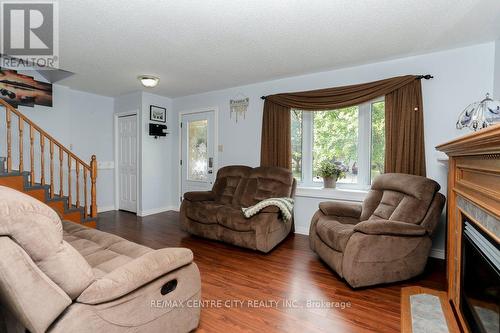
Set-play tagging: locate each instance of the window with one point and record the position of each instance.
(352, 137)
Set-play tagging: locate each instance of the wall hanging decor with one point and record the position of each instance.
(157, 113)
(238, 107)
(18, 89)
(480, 114)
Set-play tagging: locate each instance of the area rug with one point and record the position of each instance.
(426, 310)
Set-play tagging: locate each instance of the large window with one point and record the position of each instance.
(352, 137)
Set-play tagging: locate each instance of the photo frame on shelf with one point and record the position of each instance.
(157, 113)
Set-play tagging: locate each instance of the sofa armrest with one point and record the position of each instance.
(200, 196)
(392, 228)
(135, 274)
(341, 209)
(270, 209)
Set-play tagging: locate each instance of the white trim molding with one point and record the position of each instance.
(153, 211)
(116, 116)
(332, 194)
(105, 209)
(215, 109)
(437, 253)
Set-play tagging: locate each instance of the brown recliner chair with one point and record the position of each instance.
(387, 238)
(63, 277)
(217, 214)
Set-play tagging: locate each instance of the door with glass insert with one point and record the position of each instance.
(197, 151)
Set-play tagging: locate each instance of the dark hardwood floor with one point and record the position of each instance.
(290, 273)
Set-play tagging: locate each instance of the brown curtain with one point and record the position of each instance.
(276, 142)
(404, 147)
(404, 130)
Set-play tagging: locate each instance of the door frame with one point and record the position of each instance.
(215, 109)
(116, 116)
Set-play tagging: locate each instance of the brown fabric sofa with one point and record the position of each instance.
(217, 215)
(62, 277)
(387, 238)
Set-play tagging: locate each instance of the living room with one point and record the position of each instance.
(316, 162)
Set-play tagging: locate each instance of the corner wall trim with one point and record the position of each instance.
(105, 209)
(437, 253)
(302, 230)
(156, 210)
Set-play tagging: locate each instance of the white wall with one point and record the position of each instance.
(460, 77)
(158, 187)
(157, 190)
(496, 92)
(82, 122)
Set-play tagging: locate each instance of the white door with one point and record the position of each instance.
(197, 151)
(127, 162)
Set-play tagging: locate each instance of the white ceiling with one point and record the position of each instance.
(197, 46)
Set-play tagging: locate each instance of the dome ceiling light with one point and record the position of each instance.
(149, 81)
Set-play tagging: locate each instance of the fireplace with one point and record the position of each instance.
(480, 290)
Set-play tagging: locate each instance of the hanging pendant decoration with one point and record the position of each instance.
(238, 107)
(480, 115)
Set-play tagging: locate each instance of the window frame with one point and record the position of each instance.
(364, 148)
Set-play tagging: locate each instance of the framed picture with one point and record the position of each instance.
(18, 89)
(157, 113)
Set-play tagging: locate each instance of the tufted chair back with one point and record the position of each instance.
(401, 197)
(266, 182)
(229, 179)
(37, 229)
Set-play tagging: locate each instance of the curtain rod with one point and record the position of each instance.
(419, 77)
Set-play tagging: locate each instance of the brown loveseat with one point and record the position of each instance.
(387, 238)
(63, 277)
(217, 215)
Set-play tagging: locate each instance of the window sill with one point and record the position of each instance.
(335, 194)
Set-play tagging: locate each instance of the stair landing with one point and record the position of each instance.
(20, 181)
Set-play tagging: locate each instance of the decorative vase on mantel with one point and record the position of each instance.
(330, 182)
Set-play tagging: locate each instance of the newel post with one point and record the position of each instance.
(93, 179)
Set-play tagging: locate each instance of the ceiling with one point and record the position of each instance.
(198, 46)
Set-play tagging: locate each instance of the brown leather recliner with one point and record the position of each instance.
(387, 238)
(217, 214)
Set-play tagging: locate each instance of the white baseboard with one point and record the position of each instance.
(105, 209)
(302, 230)
(435, 253)
(156, 211)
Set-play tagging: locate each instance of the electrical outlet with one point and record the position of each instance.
(220, 148)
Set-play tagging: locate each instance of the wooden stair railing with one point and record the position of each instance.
(89, 170)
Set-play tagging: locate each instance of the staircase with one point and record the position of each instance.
(55, 175)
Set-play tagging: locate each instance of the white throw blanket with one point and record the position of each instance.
(285, 206)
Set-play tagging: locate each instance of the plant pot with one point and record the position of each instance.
(329, 182)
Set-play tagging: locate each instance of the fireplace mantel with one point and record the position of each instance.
(474, 193)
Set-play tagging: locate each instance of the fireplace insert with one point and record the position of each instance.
(480, 297)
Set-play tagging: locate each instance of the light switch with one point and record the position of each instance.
(105, 165)
(220, 148)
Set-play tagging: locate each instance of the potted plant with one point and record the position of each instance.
(330, 172)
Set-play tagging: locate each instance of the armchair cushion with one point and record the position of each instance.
(135, 274)
(204, 211)
(200, 196)
(233, 218)
(385, 227)
(334, 233)
(37, 229)
(270, 209)
(341, 209)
